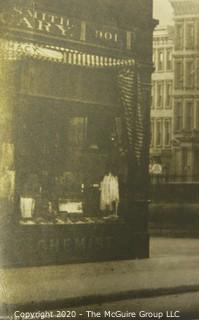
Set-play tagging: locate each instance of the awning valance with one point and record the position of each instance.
(14, 50)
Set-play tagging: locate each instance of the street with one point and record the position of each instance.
(183, 306)
(166, 286)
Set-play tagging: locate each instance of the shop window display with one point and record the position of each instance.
(73, 177)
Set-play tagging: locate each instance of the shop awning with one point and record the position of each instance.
(128, 78)
(14, 50)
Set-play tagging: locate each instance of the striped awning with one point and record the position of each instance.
(13, 50)
(132, 100)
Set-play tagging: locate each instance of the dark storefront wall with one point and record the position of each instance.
(44, 100)
(69, 83)
(49, 93)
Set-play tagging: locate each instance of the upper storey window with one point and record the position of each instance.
(169, 59)
(159, 94)
(168, 94)
(190, 74)
(178, 74)
(178, 116)
(179, 35)
(189, 116)
(190, 36)
(160, 60)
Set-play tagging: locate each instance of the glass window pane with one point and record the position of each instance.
(178, 116)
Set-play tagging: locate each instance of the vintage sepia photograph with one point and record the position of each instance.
(99, 159)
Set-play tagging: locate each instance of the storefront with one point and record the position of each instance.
(74, 148)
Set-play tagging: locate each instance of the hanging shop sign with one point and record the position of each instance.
(66, 28)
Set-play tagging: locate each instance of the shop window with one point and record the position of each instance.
(79, 168)
(179, 34)
(190, 73)
(178, 74)
(178, 116)
(99, 132)
(189, 116)
(167, 133)
(77, 131)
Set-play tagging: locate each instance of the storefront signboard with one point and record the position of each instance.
(66, 28)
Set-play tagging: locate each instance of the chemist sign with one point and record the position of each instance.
(31, 21)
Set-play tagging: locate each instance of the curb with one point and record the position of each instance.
(98, 299)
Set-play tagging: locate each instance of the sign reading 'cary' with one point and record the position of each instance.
(43, 23)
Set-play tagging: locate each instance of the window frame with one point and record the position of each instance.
(178, 116)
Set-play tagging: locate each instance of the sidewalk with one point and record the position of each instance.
(73, 285)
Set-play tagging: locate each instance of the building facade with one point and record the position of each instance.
(162, 100)
(75, 84)
(186, 88)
